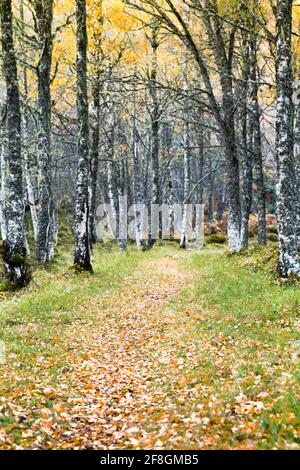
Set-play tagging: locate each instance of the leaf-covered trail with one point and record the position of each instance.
(119, 393)
(166, 350)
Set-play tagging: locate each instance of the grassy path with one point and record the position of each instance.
(165, 350)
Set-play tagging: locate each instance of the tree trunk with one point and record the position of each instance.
(26, 168)
(254, 116)
(94, 158)
(286, 177)
(186, 149)
(97, 56)
(225, 119)
(233, 188)
(81, 229)
(13, 247)
(154, 144)
(246, 156)
(3, 223)
(112, 179)
(44, 14)
(221, 203)
(211, 208)
(138, 197)
(297, 162)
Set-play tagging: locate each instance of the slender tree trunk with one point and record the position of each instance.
(155, 179)
(297, 162)
(136, 175)
(81, 228)
(211, 191)
(233, 166)
(45, 232)
(226, 119)
(26, 168)
(200, 167)
(13, 247)
(286, 176)
(25, 155)
(246, 156)
(112, 179)
(254, 116)
(3, 223)
(95, 126)
(122, 187)
(221, 203)
(233, 188)
(186, 149)
(94, 159)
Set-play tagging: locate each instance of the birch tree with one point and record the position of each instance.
(286, 177)
(3, 227)
(25, 142)
(81, 228)
(154, 116)
(243, 140)
(97, 68)
(222, 50)
(45, 230)
(13, 249)
(256, 141)
(297, 154)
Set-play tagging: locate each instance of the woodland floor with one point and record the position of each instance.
(165, 350)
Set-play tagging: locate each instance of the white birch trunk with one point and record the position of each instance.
(286, 177)
(184, 239)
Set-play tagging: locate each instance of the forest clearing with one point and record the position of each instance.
(149, 226)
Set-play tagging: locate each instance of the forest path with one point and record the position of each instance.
(121, 396)
(166, 349)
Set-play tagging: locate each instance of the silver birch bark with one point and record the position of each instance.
(245, 154)
(111, 164)
(297, 160)
(95, 128)
(286, 178)
(3, 227)
(13, 247)
(136, 174)
(223, 57)
(94, 157)
(25, 147)
(81, 228)
(155, 115)
(184, 239)
(26, 169)
(256, 144)
(45, 230)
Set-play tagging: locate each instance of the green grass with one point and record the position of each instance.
(250, 323)
(33, 321)
(234, 325)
